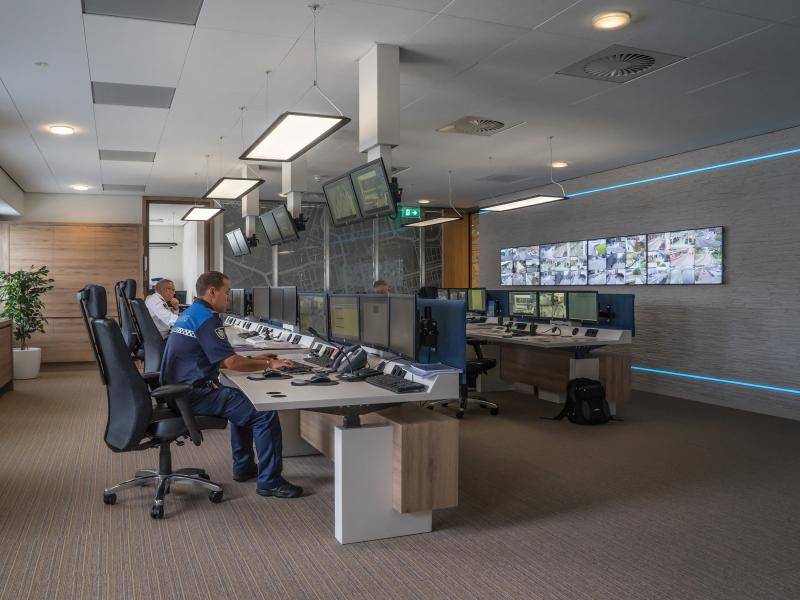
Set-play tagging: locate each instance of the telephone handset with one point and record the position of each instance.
(358, 360)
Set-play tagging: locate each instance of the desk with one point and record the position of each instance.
(549, 362)
(363, 455)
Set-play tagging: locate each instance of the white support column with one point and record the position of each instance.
(249, 207)
(294, 183)
(379, 101)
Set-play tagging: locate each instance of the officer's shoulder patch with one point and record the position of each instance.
(220, 331)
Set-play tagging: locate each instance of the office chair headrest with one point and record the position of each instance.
(129, 289)
(94, 297)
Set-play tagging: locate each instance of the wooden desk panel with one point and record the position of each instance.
(544, 368)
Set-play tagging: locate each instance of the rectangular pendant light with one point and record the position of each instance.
(515, 204)
(232, 188)
(201, 213)
(291, 135)
(432, 222)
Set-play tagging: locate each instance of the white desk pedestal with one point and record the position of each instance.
(363, 466)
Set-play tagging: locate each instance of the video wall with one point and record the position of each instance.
(688, 257)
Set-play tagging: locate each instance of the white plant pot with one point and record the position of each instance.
(27, 363)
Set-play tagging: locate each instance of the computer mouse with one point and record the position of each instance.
(272, 373)
(319, 378)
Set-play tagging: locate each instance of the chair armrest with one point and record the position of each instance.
(176, 396)
(152, 377)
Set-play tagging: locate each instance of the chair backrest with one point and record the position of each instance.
(151, 339)
(129, 404)
(124, 292)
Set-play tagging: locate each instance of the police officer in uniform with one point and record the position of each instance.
(195, 351)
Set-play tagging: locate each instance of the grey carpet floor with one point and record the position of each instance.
(680, 501)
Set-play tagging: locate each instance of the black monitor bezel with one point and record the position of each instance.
(383, 299)
(391, 348)
(294, 236)
(383, 212)
(510, 304)
(343, 340)
(596, 301)
(340, 222)
(326, 333)
(269, 215)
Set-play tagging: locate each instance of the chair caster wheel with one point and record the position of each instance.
(460, 414)
(215, 497)
(204, 476)
(494, 411)
(482, 406)
(444, 404)
(429, 407)
(157, 511)
(109, 498)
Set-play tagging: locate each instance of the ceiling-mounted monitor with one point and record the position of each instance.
(286, 226)
(341, 199)
(270, 228)
(373, 190)
(237, 242)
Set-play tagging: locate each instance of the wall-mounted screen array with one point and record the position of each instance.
(279, 226)
(237, 242)
(519, 266)
(692, 256)
(363, 193)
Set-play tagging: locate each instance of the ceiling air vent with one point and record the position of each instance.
(620, 64)
(474, 126)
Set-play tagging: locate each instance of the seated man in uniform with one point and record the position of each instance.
(195, 351)
(163, 306)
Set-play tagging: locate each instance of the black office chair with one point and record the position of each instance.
(152, 343)
(125, 291)
(474, 367)
(133, 423)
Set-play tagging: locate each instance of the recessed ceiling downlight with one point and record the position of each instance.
(611, 20)
(62, 129)
(80, 187)
(559, 164)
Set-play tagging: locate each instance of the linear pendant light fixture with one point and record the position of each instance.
(204, 213)
(440, 220)
(232, 188)
(292, 134)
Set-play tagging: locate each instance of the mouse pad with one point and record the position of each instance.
(306, 382)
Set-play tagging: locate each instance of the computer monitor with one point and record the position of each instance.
(261, 302)
(552, 305)
(341, 199)
(458, 294)
(374, 316)
(372, 189)
(270, 228)
(289, 314)
(275, 304)
(582, 306)
(181, 296)
(523, 304)
(403, 326)
(285, 224)
(242, 241)
(313, 312)
(236, 302)
(476, 300)
(343, 311)
(443, 294)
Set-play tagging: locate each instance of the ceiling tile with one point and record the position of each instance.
(123, 94)
(519, 13)
(125, 173)
(127, 156)
(129, 127)
(774, 10)
(174, 11)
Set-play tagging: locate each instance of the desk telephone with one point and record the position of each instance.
(357, 356)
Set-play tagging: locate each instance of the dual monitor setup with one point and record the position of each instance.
(278, 224)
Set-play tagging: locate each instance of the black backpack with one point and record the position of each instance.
(586, 403)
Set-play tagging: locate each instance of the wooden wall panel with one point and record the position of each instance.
(455, 254)
(474, 249)
(30, 245)
(65, 340)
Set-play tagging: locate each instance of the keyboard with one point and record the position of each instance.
(296, 369)
(320, 361)
(367, 372)
(396, 384)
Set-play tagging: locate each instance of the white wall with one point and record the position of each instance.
(193, 251)
(167, 262)
(12, 199)
(81, 208)
(743, 330)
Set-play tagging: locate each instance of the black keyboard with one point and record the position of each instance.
(296, 369)
(396, 384)
(367, 372)
(320, 361)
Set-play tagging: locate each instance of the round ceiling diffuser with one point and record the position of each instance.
(483, 125)
(619, 65)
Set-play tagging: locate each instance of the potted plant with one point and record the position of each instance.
(21, 296)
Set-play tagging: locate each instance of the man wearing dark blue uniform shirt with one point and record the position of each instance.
(195, 351)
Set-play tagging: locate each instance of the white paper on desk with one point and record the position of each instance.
(431, 369)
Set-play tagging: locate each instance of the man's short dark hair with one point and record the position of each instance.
(209, 279)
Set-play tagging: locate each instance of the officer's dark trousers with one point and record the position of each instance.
(247, 425)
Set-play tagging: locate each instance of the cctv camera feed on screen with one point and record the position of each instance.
(563, 263)
(689, 257)
(519, 266)
(618, 260)
(372, 190)
(553, 305)
(342, 201)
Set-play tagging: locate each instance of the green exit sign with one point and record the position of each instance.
(409, 212)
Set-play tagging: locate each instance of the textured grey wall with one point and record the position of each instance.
(747, 329)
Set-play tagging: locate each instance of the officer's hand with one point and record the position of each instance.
(277, 363)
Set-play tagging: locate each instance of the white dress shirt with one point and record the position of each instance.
(164, 316)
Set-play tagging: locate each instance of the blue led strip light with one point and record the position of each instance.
(759, 386)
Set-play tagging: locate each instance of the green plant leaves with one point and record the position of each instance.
(21, 296)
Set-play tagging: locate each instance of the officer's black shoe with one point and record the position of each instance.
(247, 475)
(284, 490)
